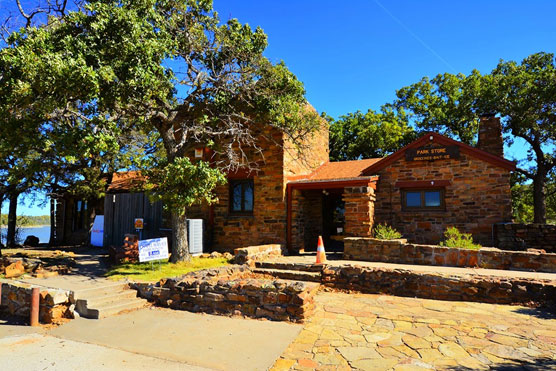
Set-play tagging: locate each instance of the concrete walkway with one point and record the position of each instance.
(202, 340)
(43, 352)
(334, 261)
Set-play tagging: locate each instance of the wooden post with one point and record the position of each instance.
(35, 297)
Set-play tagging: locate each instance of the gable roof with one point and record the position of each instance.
(441, 139)
(341, 169)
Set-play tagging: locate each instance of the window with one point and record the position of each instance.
(423, 199)
(241, 196)
(81, 215)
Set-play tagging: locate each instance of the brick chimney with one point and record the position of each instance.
(490, 135)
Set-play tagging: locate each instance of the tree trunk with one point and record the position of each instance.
(12, 219)
(180, 248)
(52, 239)
(539, 198)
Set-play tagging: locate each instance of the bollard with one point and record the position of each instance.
(35, 306)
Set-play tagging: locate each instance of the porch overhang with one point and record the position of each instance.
(308, 184)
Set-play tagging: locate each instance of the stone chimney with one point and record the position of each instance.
(490, 135)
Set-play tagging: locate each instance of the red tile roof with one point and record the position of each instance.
(125, 181)
(341, 169)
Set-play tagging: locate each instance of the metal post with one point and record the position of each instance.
(35, 306)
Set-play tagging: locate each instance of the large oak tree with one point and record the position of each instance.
(171, 67)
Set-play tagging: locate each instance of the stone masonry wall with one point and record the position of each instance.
(399, 251)
(407, 283)
(53, 304)
(245, 255)
(477, 198)
(511, 236)
(267, 224)
(233, 291)
(359, 211)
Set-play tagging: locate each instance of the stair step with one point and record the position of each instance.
(113, 297)
(288, 266)
(107, 311)
(100, 290)
(290, 274)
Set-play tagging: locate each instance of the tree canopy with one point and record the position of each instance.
(167, 71)
(369, 135)
(524, 96)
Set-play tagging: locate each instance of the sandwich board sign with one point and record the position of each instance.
(153, 249)
(97, 233)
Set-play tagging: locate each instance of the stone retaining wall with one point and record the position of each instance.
(512, 236)
(234, 291)
(252, 253)
(54, 304)
(402, 282)
(401, 252)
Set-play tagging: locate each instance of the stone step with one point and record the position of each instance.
(100, 290)
(289, 266)
(104, 310)
(295, 275)
(112, 297)
(133, 304)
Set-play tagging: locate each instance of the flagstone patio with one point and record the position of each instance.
(377, 332)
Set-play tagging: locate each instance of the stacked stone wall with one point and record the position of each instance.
(53, 304)
(245, 255)
(401, 252)
(478, 197)
(402, 282)
(513, 236)
(234, 291)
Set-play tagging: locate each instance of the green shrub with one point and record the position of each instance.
(385, 232)
(454, 238)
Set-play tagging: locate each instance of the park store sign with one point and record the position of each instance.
(432, 154)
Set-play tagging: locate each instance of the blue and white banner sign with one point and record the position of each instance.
(153, 249)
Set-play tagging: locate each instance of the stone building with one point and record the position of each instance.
(295, 196)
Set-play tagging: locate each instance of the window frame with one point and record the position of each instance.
(423, 207)
(232, 183)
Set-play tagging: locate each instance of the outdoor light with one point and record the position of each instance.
(431, 137)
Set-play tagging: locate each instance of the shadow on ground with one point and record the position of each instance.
(536, 364)
(10, 320)
(541, 312)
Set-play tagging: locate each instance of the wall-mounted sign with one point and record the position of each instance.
(139, 224)
(153, 249)
(431, 154)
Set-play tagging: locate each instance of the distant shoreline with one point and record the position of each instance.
(28, 226)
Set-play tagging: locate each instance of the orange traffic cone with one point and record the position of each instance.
(321, 255)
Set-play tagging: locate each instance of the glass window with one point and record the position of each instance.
(241, 196)
(432, 199)
(427, 199)
(413, 199)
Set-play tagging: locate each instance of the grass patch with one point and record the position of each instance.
(144, 273)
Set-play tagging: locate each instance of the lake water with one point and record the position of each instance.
(43, 233)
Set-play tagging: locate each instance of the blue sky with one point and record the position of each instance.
(353, 55)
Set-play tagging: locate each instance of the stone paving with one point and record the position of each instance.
(377, 332)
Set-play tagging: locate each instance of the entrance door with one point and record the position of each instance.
(333, 210)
